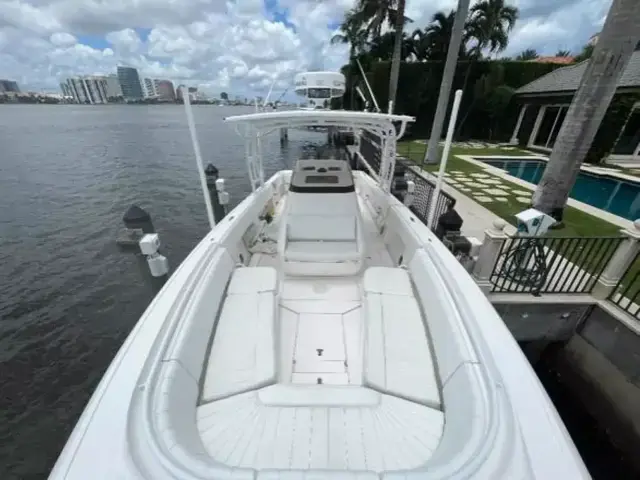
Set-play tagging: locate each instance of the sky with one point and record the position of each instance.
(236, 46)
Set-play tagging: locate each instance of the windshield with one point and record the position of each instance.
(319, 93)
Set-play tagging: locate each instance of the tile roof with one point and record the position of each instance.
(559, 60)
(567, 79)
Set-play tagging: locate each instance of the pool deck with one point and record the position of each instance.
(596, 212)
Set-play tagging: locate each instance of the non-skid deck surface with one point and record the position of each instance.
(320, 331)
(320, 415)
(241, 431)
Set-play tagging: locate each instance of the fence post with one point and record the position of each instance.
(619, 263)
(494, 238)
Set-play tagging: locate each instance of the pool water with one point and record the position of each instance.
(606, 193)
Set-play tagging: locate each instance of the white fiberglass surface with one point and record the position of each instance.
(320, 412)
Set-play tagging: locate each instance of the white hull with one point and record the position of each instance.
(371, 354)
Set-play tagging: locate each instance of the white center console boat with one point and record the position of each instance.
(320, 331)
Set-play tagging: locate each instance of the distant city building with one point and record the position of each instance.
(113, 87)
(87, 89)
(66, 90)
(165, 90)
(130, 83)
(193, 92)
(149, 88)
(9, 86)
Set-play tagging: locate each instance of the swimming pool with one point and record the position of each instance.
(606, 193)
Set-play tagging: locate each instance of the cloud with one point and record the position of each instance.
(62, 39)
(125, 41)
(241, 46)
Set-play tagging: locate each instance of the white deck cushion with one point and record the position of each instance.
(253, 280)
(313, 228)
(394, 281)
(242, 354)
(398, 358)
(452, 344)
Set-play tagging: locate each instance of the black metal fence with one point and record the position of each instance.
(625, 295)
(424, 188)
(370, 149)
(551, 264)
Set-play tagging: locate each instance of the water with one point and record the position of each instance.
(606, 193)
(69, 296)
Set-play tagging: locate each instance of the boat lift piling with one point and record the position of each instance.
(217, 192)
(139, 232)
(284, 136)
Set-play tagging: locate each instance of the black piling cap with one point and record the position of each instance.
(136, 214)
(136, 217)
(211, 171)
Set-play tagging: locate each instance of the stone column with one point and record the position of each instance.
(488, 255)
(619, 263)
(516, 130)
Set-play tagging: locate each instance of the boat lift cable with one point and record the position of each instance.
(366, 82)
(266, 99)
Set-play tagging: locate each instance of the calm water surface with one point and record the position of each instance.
(69, 297)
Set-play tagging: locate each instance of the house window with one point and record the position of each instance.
(548, 125)
(629, 141)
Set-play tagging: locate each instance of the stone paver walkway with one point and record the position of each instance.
(486, 188)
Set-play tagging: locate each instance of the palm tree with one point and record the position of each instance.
(528, 54)
(432, 43)
(438, 34)
(563, 53)
(373, 14)
(490, 22)
(585, 54)
(382, 47)
(455, 45)
(351, 32)
(610, 57)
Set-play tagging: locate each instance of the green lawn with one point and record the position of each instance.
(577, 223)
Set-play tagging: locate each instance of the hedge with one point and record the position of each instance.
(419, 85)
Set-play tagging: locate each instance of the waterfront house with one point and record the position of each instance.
(545, 101)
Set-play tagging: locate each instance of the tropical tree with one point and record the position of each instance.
(563, 53)
(610, 57)
(382, 47)
(352, 33)
(528, 54)
(585, 54)
(433, 42)
(490, 22)
(373, 15)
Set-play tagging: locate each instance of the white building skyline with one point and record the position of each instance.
(91, 89)
(100, 89)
